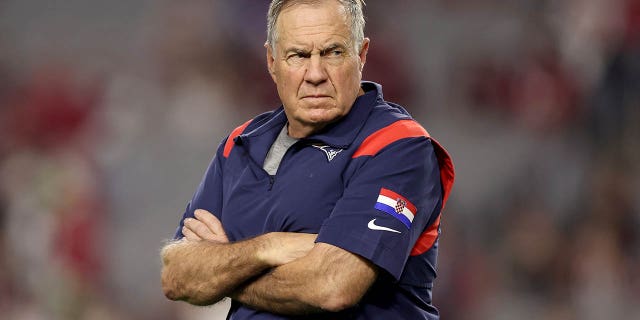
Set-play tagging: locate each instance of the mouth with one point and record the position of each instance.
(316, 96)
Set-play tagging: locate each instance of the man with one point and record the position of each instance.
(327, 206)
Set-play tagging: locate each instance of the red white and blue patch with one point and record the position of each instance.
(397, 206)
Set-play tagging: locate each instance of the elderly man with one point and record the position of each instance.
(326, 207)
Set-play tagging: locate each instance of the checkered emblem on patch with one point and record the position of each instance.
(397, 206)
(400, 205)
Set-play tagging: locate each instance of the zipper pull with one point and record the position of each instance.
(271, 181)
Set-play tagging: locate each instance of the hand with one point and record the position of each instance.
(205, 226)
(284, 247)
(279, 248)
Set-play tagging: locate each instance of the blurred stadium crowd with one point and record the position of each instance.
(110, 112)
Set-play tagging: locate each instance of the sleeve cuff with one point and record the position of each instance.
(369, 247)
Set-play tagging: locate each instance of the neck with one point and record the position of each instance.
(302, 131)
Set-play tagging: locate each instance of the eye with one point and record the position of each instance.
(296, 58)
(332, 53)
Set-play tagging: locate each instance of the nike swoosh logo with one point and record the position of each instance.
(373, 226)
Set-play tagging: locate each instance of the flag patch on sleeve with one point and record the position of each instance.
(397, 206)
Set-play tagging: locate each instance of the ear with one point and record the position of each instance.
(270, 61)
(363, 52)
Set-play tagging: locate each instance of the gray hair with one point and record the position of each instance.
(353, 8)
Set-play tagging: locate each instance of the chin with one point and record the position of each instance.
(323, 118)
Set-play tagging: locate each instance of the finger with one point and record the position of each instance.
(211, 221)
(221, 239)
(190, 235)
(199, 228)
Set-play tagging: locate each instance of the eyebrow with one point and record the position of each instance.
(299, 51)
(332, 46)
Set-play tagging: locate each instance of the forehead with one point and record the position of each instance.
(326, 21)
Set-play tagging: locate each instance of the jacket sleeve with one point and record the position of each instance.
(389, 200)
(208, 196)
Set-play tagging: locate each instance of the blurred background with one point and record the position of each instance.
(111, 111)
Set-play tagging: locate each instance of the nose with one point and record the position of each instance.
(315, 73)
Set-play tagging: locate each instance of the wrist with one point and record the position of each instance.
(263, 250)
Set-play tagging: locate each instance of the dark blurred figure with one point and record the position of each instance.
(615, 108)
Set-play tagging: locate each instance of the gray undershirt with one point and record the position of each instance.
(276, 152)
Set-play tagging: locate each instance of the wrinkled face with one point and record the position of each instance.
(315, 66)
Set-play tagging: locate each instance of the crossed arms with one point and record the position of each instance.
(279, 272)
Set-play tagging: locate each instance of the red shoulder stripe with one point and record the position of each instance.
(398, 130)
(447, 174)
(426, 239)
(447, 171)
(230, 143)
